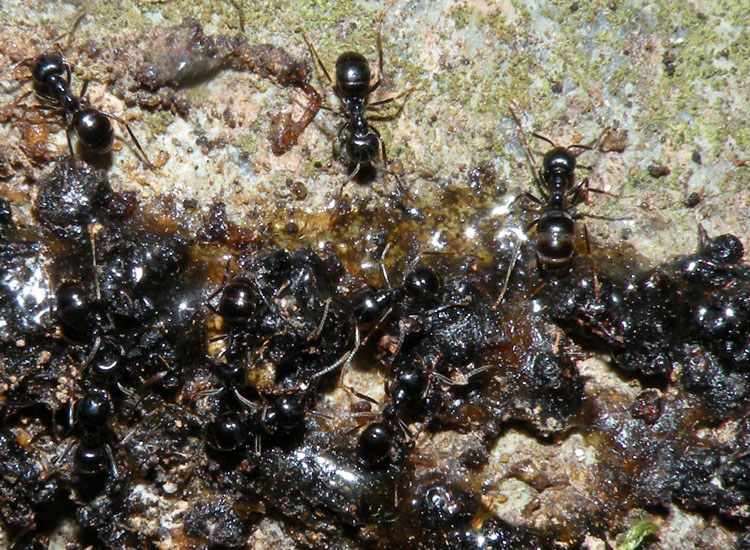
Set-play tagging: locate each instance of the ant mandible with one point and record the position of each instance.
(52, 82)
(360, 141)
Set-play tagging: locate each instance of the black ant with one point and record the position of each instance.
(371, 306)
(52, 82)
(89, 418)
(555, 225)
(360, 142)
(388, 436)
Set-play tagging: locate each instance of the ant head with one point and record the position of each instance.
(559, 161)
(352, 75)
(285, 415)
(370, 304)
(422, 284)
(47, 65)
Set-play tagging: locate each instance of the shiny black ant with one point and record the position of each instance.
(388, 436)
(380, 440)
(555, 225)
(372, 306)
(360, 142)
(89, 418)
(51, 75)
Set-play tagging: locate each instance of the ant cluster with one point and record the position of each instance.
(213, 369)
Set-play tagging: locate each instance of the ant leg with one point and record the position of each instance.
(385, 165)
(92, 353)
(349, 178)
(373, 106)
(380, 55)
(516, 250)
(150, 165)
(352, 353)
(70, 147)
(383, 269)
(591, 262)
(84, 87)
(536, 175)
(112, 464)
(322, 323)
(58, 460)
(532, 198)
(343, 360)
(532, 225)
(216, 292)
(316, 56)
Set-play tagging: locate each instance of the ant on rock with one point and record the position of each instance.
(360, 142)
(88, 419)
(51, 74)
(555, 224)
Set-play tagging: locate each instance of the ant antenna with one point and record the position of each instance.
(316, 56)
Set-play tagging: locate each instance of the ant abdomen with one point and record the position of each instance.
(238, 300)
(94, 129)
(555, 230)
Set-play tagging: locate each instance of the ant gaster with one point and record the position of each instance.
(238, 301)
(360, 142)
(51, 74)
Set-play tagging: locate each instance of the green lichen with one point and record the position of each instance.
(633, 537)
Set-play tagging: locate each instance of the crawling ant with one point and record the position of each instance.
(88, 419)
(371, 306)
(361, 143)
(51, 75)
(555, 225)
(387, 436)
